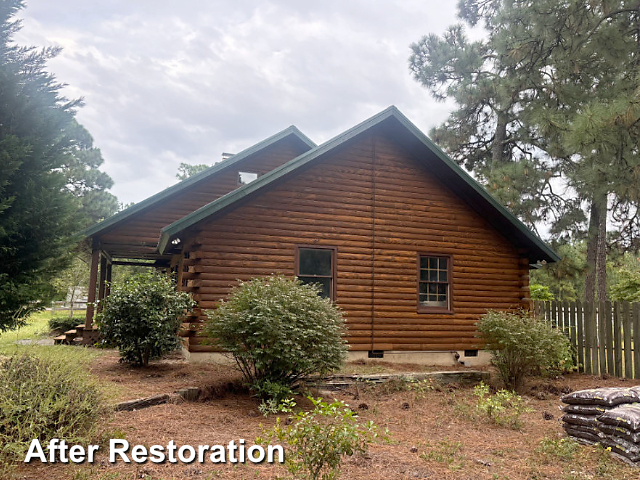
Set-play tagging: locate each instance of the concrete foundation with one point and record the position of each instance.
(446, 358)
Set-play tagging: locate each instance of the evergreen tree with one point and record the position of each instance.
(555, 87)
(85, 180)
(44, 154)
(186, 170)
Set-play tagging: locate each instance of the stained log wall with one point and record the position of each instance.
(144, 227)
(379, 206)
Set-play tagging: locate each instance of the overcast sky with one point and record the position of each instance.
(166, 82)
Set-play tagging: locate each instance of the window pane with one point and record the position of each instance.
(433, 301)
(324, 283)
(315, 261)
(433, 284)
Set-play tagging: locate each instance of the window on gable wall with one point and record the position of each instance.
(434, 283)
(317, 265)
(246, 177)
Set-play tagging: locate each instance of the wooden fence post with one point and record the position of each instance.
(595, 367)
(636, 339)
(626, 331)
(602, 337)
(609, 337)
(588, 337)
(617, 338)
(572, 326)
(580, 333)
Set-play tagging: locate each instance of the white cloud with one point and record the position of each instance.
(166, 82)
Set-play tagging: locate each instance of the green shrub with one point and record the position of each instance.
(142, 316)
(45, 397)
(278, 330)
(276, 391)
(271, 406)
(557, 449)
(62, 323)
(522, 345)
(540, 292)
(318, 440)
(628, 288)
(502, 408)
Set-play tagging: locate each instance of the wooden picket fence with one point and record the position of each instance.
(605, 334)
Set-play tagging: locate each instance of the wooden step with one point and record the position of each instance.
(59, 340)
(70, 332)
(77, 341)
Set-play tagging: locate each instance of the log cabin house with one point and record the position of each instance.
(408, 244)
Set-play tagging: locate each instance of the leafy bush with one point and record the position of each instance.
(273, 406)
(522, 345)
(558, 449)
(540, 292)
(276, 391)
(45, 397)
(317, 440)
(278, 330)
(502, 408)
(628, 288)
(142, 316)
(62, 323)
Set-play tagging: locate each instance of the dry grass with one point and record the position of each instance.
(437, 435)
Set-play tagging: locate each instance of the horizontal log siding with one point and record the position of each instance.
(335, 203)
(144, 228)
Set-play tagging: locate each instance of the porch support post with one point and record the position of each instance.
(103, 278)
(107, 291)
(93, 279)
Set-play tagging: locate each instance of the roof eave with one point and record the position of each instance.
(172, 230)
(150, 201)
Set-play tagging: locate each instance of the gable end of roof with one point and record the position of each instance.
(180, 186)
(472, 192)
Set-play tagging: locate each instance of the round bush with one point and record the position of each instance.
(279, 330)
(45, 397)
(522, 344)
(142, 316)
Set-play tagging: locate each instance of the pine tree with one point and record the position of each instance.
(42, 155)
(563, 78)
(186, 170)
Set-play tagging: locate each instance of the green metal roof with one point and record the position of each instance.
(148, 202)
(393, 122)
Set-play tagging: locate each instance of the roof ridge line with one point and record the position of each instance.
(213, 169)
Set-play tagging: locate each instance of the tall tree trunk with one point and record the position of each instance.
(497, 149)
(601, 260)
(592, 254)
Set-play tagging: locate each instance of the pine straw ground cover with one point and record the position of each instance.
(433, 433)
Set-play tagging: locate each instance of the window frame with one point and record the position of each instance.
(435, 309)
(334, 265)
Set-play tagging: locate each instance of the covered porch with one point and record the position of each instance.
(104, 256)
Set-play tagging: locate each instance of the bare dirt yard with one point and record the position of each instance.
(435, 433)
